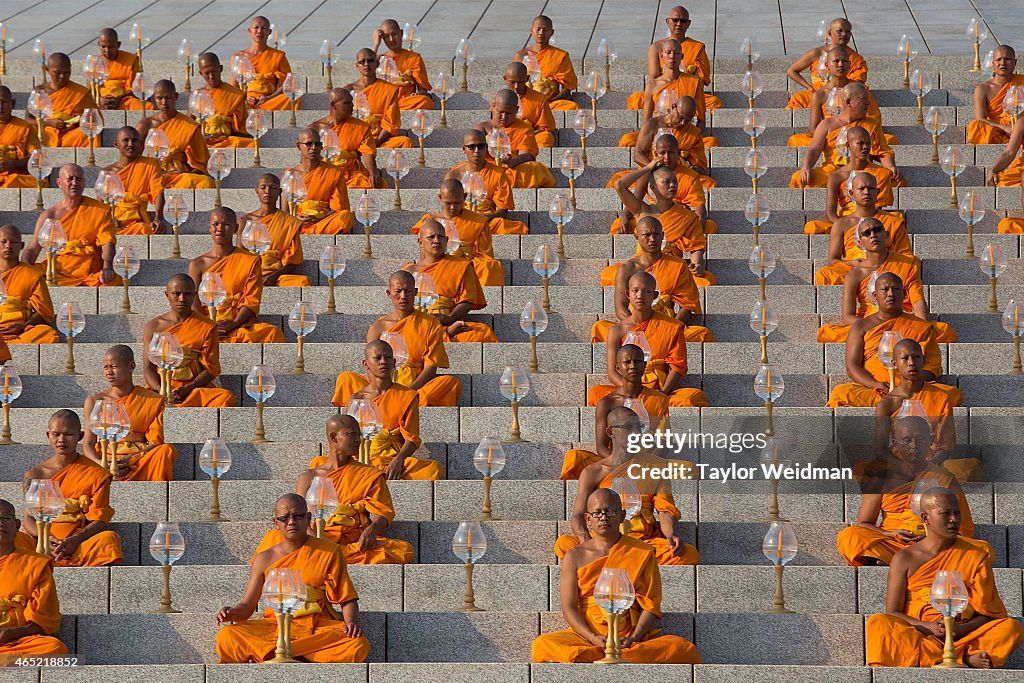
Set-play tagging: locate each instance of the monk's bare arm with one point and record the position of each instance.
(568, 591)
(250, 599)
(588, 484)
(835, 180)
(622, 275)
(896, 597)
(855, 358)
(601, 440)
(31, 252)
(429, 372)
(981, 97)
(195, 271)
(644, 142)
(801, 64)
(612, 344)
(632, 203)
(654, 60)
(1008, 154)
(89, 442)
(851, 284)
(817, 100)
(672, 380)
(836, 245)
(648, 109)
(814, 151)
(459, 312)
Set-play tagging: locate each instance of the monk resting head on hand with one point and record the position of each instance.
(391, 34)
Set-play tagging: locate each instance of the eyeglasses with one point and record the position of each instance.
(312, 143)
(297, 516)
(630, 427)
(478, 145)
(871, 231)
(7, 519)
(607, 514)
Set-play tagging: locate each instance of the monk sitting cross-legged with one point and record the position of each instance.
(357, 146)
(878, 258)
(911, 632)
(385, 117)
(69, 101)
(665, 337)
(473, 230)
(122, 66)
(631, 366)
(271, 67)
(887, 485)
(364, 502)
(30, 614)
(458, 287)
(27, 315)
(391, 450)
(325, 210)
(18, 139)
(226, 128)
(242, 273)
(413, 82)
(677, 122)
(534, 108)
(318, 632)
(678, 83)
(142, 454)
(991, 124)
(193, 381)
(282, 261)
(522, 166)
(185, 164)
(676, 283)
(497, 181)
(584, 640)
(143, 183)
(840, 31)
(557, 74)
(81, 535)
(91, 235)
(869, 375)
(1007, 171)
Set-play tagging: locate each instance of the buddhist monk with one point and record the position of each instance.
(385, 117)
(18, 138)
(283, 260)
(318, 632)
(631, 366)
(423, 336)
(473, 229)
(116, 91)
(584, 640)
(81, 535)
(458, 288)
(499, 200)
(357, 146)
(226, 128)
(676, 121)
(185, 164)
(242, 273)
(142, 178)
(1007, 171)
(840, 31)
(856, 99)
(678, 82)
(664, 335)
(682, 226)
(837, 201)
(878, 258)
(695, 57)
(863, 365)
(69, 101)
(911, 632)
(676, 284)
(271, 67)
(844, 238)
(325, 210)
(534, 109)
(142, 454)
(557, 74)
(887, 485)
(522, 165)
(91, 235)
(27, 315)
(991, 124)
(193, 382)
(413, 83)
(29, 611)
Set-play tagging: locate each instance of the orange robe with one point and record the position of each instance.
(86, 489)
(87, 228)
(691, 149)
(668, 352)
(285, 248)
(68, 104)
(242, 273)
(385, 114)
(845, 206)
(695, 61)
(639, 561)
(150, 458)
(120, 75)
(529, 174)
(981, 133)
(188, 150)
(801, 99)
(891, 641)
(682, 230)
(355, 138)
(676, 286)
(271, 67)
(831, 159)
(475, 238)
(910, 327)
(535, 111)
(318, 633)
(18, 138)
(327, 201)
(804, 139)
(29, 595)
(143, 183)
(938, 406)
(457, 283)
(413, 72)
(200, 343)
(684, 85)
(857, 543)
(27, 293)
(399, 408)
(229, 119)
(499, 196)
(899, 242)
(556, 72)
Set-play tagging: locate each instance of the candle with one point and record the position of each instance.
(71, 319)
(320, 500)
(7, 379)
(972, 205)
(167, 538)
(213, 460)
(780, 546)
(991, 258)
(514, 392)
(125, 260)
(1016, 327)
(761, 251)
(302, 319)
(769, 384)
(545, 259)
(469, 541)
(489, 453)
(259, 382)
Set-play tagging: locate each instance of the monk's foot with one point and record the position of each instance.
(871, 562)
(979, 660)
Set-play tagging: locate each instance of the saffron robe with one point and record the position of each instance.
(29, 596)
(556, 72)
(187, 146)
(87, 228)
(120, 75)
(68, 104)
(326, 192)
(801, 99)
(150, 458)
(285, 248)
(529, 174)
(535, 111)
(200, 343)
(899, 242)
(143, 183)
(385, 114)
(845, 205)
(242, 273)
(271, 67)
(981, 133)
(18, 138)
(27, 294)
(412, 73)
(457, 282)
(499, 196)
(475, 238)
(695, 61)
(355, 139)
(831, 159)
(229, 119)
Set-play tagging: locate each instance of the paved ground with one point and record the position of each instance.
(498, 27)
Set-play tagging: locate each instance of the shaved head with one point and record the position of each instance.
(336, 422)
(209, 59)
(340, 95)
(887, 276)
(181, 280)
(629, 351)
(402, 277)
(366, 53)
(390, 24)
(376, 346)
(453, 186)
(854, 89)
(225, 212)
(644, 277)
(121, 353)
(290, 501)
(58, 59)
(6, 508)
(109, 34)
(68, 417)
(505, 98)
(474, 136)
(516, 71)
(1004, 51)
(432, 226)
(10, 232)
(604, 499)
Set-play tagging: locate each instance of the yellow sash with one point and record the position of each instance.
(79, 247)
(218, 124)
(74, 509)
